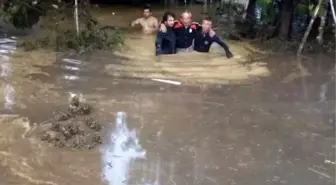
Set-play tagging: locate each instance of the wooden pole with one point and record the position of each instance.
(333, 10)
(76, 17)
(205, 6)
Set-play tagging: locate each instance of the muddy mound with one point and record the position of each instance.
(73, 128)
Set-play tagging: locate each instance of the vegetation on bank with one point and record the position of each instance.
(295, 21)
(56, 26)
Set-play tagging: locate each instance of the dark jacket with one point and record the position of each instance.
(185, 35)
(203, 42)
(165, 42)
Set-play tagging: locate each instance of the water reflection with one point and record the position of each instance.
(72, 68)
(7, 46)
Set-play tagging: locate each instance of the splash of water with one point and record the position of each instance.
(9, 96)
(123, 147)
(7, 46)
(79, 95)
(6, 70)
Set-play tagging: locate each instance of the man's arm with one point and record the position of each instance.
(223, 45)
(163, 28)
(135, 22)
(155, 24)
(198, 26)
(158, 43)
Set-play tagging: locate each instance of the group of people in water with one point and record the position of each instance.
(181, 35)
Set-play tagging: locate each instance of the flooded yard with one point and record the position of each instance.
(247, 120)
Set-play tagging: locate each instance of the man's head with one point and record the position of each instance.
(168, 19)
(206, 24)
(147, 11)
(186, 18)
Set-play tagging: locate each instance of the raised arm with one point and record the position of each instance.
(156, 24)
(223, 45)
(135, 22)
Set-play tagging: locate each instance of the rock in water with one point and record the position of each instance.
(68, 129)
(85, 109)
(92, 124)
(61, 116)
(74, 101)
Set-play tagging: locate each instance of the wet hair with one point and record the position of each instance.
(148, 7)
(166, 15)
(207, 18)
(186, 12)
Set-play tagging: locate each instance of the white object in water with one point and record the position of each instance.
(70, 77)
(167, 81)
(329, 162)
(113, 13)
(121, 149)
(80, 96)
(73, 61)
(72, 68)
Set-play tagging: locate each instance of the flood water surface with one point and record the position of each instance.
(228, 121)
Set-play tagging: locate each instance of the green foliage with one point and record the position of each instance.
(57, 31)
(63, 39)
(321, 11)
(264, 3)
(25, 13)
(269, 10)
(302, 9)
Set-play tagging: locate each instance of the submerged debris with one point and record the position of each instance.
(92, 123)
(72, 129)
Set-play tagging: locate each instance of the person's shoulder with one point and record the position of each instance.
(154, 18)
(178, 24)
(140, 19)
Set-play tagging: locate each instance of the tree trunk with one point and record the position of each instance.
(286, 13)
(250, 14)
(304, 39)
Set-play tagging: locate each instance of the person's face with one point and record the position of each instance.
(186, 19)
(147, 13)
(170, 21)
(206, 26)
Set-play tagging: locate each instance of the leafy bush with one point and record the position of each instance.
(62, 39)
(57, 32)
(25, 13)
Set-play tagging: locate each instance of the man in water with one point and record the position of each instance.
(185, 31)
(165, 41)
(204, 39)
(148, 23)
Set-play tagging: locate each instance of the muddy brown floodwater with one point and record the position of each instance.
(230, 121)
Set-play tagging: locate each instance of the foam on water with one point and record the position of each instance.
(121, 150)
(6, 70)
(9, 96)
